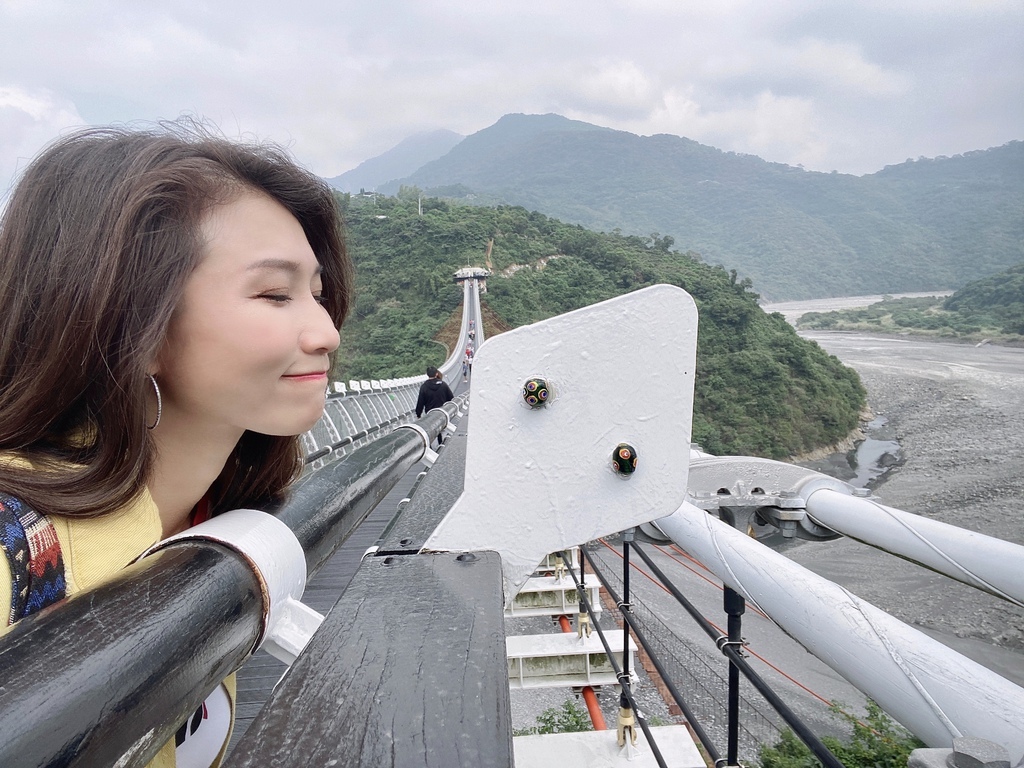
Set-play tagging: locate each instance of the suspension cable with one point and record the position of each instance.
(698, 729)
(618, 670)
(735, 657)
(751, 651)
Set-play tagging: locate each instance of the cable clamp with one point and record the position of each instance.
(624, 605)
(723, 642)
(429, 456)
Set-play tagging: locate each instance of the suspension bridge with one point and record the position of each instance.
(372, 615)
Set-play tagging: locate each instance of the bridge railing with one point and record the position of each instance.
(358, 413)
(361, 650)
(189, 614)
(91, 646)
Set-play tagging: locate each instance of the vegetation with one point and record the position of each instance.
(760, 388)
(988, 309)
(568, 718)
(925, 224)
(877, 743)
(997, 301)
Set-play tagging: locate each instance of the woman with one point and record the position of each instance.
(170, 304)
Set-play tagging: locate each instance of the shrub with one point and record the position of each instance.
(879, 742)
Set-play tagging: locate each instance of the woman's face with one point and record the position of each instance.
(248, 344)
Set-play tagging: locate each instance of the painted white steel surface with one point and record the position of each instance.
(600, 749)
(276, 557)
(932, 690)
(982, 561)
(540, 480)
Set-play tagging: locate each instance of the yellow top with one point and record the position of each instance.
(94, 550)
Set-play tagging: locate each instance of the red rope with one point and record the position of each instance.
(749, 650)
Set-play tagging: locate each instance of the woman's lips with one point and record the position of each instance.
(315, 376)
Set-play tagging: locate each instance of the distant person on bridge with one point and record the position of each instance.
(171, 304)
(433, 394)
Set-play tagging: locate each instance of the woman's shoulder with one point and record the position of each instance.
(97, 547)
(94, 549)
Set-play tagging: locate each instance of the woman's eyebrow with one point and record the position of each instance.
(284, 265)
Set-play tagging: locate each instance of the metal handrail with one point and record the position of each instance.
(188, 615)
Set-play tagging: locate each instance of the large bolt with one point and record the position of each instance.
(536, 392)
(972, 752)
(624, 459)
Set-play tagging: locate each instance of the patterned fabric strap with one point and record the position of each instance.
(30, 543)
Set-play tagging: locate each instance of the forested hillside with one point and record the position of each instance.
(921, 225)
(760, 389)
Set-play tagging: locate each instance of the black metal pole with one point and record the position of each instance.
(186, 617)
(691, 718)
(734, 607)
(108, 676)
(324, 507)
(618, 672)
(624, 605)
(799, 728)
(581, 590)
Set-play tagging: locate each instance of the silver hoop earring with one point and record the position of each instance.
(159, 402)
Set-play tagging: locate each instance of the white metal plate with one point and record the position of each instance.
(540, 480)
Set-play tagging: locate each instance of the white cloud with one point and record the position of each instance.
(607, 87)
(28, 121)
(840, 66)
(785, 129)
(851, 85)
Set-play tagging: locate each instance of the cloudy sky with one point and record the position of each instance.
(848, 85)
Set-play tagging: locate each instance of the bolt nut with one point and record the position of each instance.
(972, 752)
(536, 392)
(624, 459)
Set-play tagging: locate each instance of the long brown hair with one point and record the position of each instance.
(96, 244)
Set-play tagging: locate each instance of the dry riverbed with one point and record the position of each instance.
(958, 414)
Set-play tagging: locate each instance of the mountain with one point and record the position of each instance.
(921, 225)
(399, 161)
(760, 389)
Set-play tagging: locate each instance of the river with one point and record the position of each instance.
(957, 412)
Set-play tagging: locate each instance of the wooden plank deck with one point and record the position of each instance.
(257, 678)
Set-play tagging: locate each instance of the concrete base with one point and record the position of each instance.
(598, 749)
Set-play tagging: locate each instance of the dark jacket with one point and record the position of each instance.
(433, 394)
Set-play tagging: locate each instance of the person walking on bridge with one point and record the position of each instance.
(434, 393)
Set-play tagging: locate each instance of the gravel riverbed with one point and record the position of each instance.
(958, 414)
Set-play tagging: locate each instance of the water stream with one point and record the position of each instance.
(867, 464)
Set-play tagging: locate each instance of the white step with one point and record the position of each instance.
(548, 596)
(600, 749)
(563, 660)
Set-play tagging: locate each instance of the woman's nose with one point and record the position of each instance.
(319, 336)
